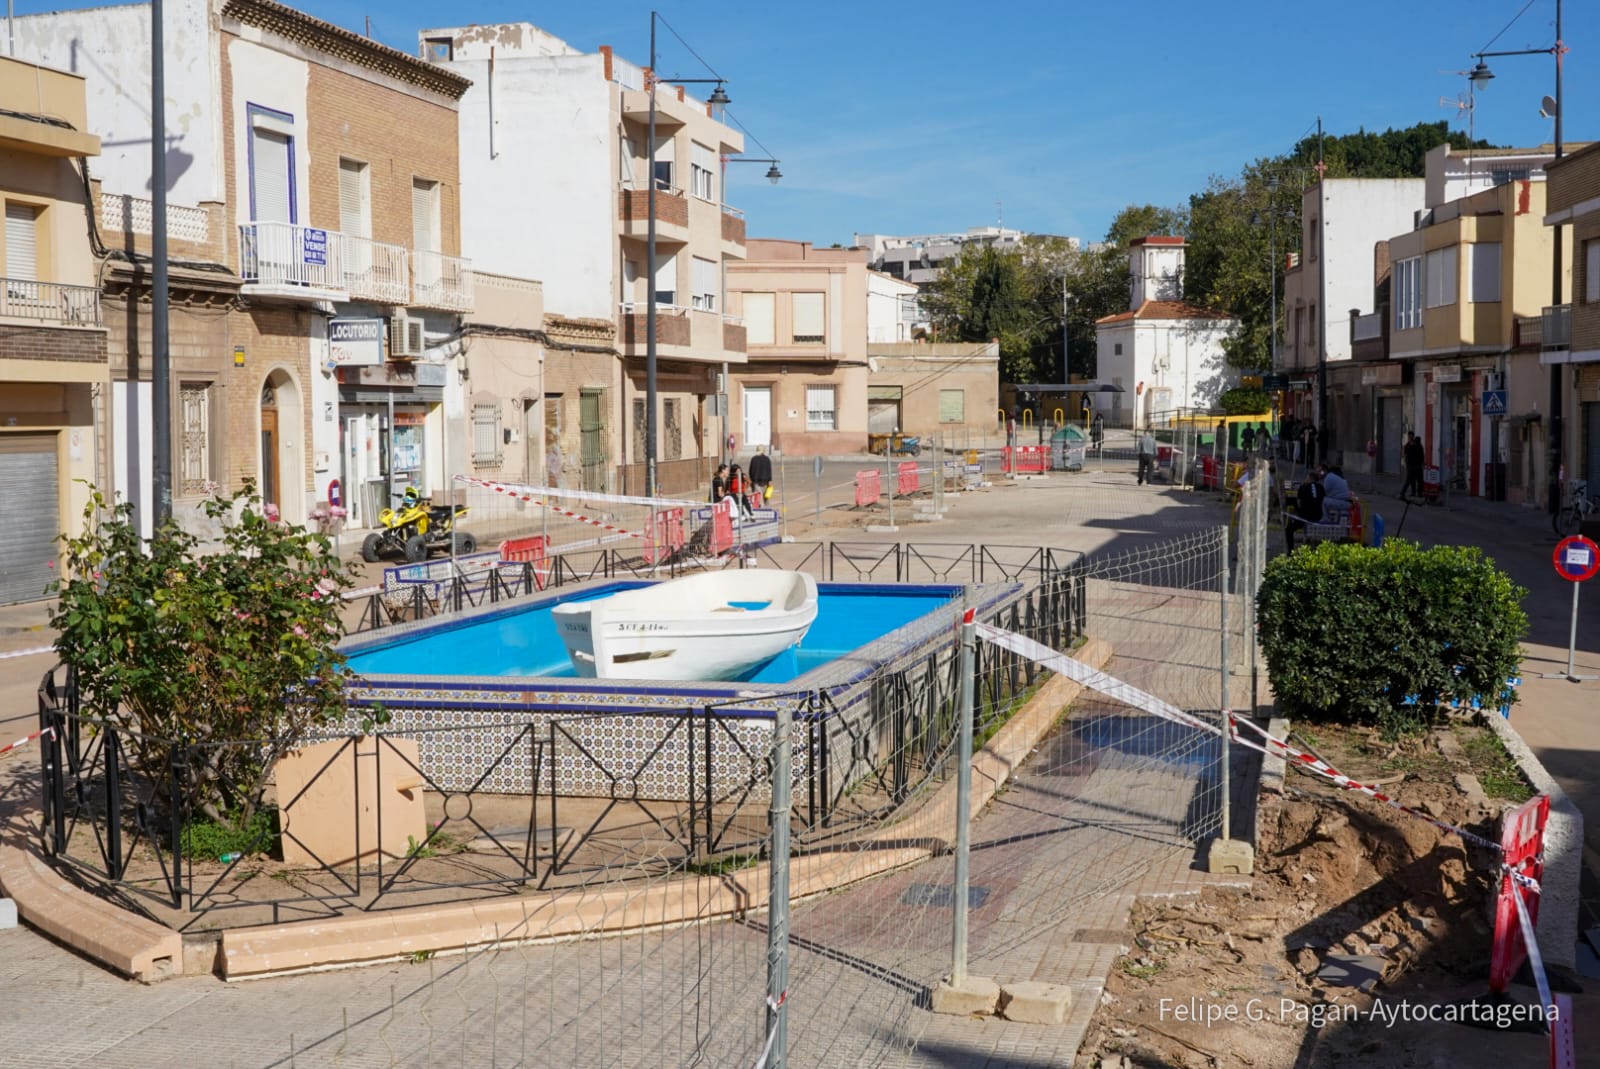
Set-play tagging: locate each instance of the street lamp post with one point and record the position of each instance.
(1480, 77)
(718, 99)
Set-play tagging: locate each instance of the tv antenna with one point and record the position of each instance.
(1466, 102)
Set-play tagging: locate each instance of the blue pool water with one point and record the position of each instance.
(525, 643)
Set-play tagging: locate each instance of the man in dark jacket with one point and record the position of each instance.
(761, 471)
(1414, 458)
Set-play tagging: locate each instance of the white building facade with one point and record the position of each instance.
(1166, 354)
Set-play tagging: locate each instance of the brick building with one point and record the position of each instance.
(313, 215)
(53, 371)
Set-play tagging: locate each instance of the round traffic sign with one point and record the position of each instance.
(1577, 558)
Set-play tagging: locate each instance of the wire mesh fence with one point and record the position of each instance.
(671, 965)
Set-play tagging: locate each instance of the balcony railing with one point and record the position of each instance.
(135, 215)
(1556, 327)
(49, 302)
(443, 281)
(291, 257)
(376, 270)
(732, 225)
(1527, 332)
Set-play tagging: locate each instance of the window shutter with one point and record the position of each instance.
(22, 250)
(667, 280)
(425, 215)
(486, 435)
(353, 216)
(758, 328)
(705, 284)
(270, 172)
(952, 406)
(808, 317)
(1486, 271)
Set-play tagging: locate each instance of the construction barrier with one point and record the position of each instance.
(722, 540)
(1208, 474)
(664, 538)
(868, 488)
(1024, 460)
(1432, 485)
(1522, 847)
(906, 478)
(533, 550)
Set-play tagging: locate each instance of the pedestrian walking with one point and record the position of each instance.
(1247, 439)
(1097, 432)
(1147, 457)
(739, 487)
(1414, 457)
(1263, 439)
(719, 484)
(761, 472)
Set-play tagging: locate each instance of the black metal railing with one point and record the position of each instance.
(118, 818)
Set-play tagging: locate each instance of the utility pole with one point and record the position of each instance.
(1322, 301)
(1557, 424)
(1066, 359)
(650, 285)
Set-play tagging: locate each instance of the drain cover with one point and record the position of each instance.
(942, 896)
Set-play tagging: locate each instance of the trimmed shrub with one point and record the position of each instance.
(1387, 636)
(1244, 401)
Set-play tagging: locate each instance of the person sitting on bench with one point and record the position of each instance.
(1307, 507)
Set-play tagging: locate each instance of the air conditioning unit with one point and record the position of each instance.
(405, 337)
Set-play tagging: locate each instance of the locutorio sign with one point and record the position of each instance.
(355, 342)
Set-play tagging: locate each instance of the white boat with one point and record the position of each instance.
(713, 626)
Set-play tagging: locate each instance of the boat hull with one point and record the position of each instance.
(689, 629)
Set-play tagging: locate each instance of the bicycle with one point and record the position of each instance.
(1579, 508)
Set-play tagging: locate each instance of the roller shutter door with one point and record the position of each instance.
(28, 536)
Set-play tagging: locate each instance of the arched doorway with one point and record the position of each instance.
(281, 477)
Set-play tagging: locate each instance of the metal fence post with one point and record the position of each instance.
(958, 933)
(1223, 707)
(778, 900)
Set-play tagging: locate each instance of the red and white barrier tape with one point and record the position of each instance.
(1128, 694)
(24, 741)
(529, 493)
(772, 1033)
(27, 653)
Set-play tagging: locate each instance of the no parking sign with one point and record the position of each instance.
(1577, 559)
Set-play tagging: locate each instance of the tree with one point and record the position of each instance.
(1144, 221)
(983, 296)
(215, 661)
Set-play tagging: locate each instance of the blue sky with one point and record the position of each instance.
(923, 118)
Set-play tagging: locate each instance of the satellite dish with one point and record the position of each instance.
(1547, 108)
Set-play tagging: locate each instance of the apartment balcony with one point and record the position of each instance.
(734, 334)
(1367, 338)
(287, 260)
(672, 214)
(1556, 327)
(733, 226)
(376, 271)
(1527, 332)
(51, 304)
(443, 281)
(672, 328)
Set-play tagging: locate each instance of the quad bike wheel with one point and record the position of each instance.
(416, 549)
(371, 548)
(466, 543)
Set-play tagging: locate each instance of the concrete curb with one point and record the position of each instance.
(1559, 898)
(123, 941)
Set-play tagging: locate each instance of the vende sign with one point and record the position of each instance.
(355, 342)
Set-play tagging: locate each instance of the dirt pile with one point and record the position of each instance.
(1356, 910)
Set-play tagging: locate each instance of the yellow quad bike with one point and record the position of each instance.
(414, 529)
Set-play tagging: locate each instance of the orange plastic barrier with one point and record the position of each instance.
(868, 488)
(664, 537)
(1024, 459)
(906, 478)
(722, 525)
(531, 549)
(1522, 840)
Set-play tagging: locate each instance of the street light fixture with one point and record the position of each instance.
(772, 175)
(1479, 77)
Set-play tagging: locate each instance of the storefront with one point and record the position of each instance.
(388, 419)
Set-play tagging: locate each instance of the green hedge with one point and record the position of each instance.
(1351, 633)
(1244, 401)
